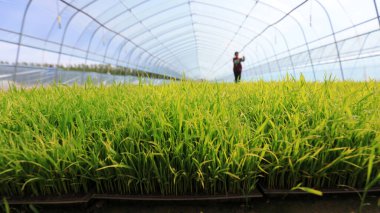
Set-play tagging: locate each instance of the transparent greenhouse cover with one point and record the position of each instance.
(318, 38)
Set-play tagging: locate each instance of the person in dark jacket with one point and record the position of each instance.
(237, 66)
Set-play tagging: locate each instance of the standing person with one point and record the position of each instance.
(237, 66)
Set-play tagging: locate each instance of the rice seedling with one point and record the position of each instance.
(189, 138)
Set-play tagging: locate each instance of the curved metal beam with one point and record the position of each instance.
(20, 38)
(152, 34)
(300, 27)
(334, 36)
(81, 10)
(65, 31)
(377, 11)
(136, 23)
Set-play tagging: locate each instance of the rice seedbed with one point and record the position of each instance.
(189, 138)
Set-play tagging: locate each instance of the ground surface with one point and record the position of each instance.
(280, 205)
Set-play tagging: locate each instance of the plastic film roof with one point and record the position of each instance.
(318, 38)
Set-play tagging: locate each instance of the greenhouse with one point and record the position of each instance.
(189, 100)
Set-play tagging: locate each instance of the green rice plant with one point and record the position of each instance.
(189, 138)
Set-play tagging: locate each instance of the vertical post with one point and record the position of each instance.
(20, 40)
(335, 41)
(377, 11)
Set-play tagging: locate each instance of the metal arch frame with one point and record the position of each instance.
(95, 31)
(329, 35)
(131, 53)
(265, 38)
(294, 19)
(173, 29)
(377, 11)
(71, 17)
(126, 28)
(235, 34)
(334, 36)
(211, 52)
(248, 70)
(274, 52)
(83, 12)
(209, 17)
(268, 64)
(153, 15)
(367, 35)
(194, 36)
(205, 49)
(270, 44)
(159, 13)
(105, 55)
(139, 57)
(149, 60)
(251, 68)
(173, 39)
(249, 29)
(350, 38)
(61, 53)
(237, 12)
(304, 37)
(108, 45)
(146, 1)
(66, 28)
(343, 30)
(186, 47)
(40, 48)
(226, 38)
(153, 35)
(362, 47)
(121, 47)
(20, 38)
(216, 27)
(251, 17)
(189, 47)
(84, 30)
(184, 41)
(167, 9)
(188, 42)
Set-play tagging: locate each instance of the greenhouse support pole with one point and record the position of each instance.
(122, 46)
(20, 40)
(287, 46)
(65, 32)
(335, 41)
(377, 11)
(194, 36)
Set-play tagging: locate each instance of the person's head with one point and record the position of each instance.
(236, 54)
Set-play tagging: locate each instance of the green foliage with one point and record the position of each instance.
(5, 208)
(189, 138)
(308, 190)
(108, 69)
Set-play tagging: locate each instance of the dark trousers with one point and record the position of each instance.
(237, 76)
